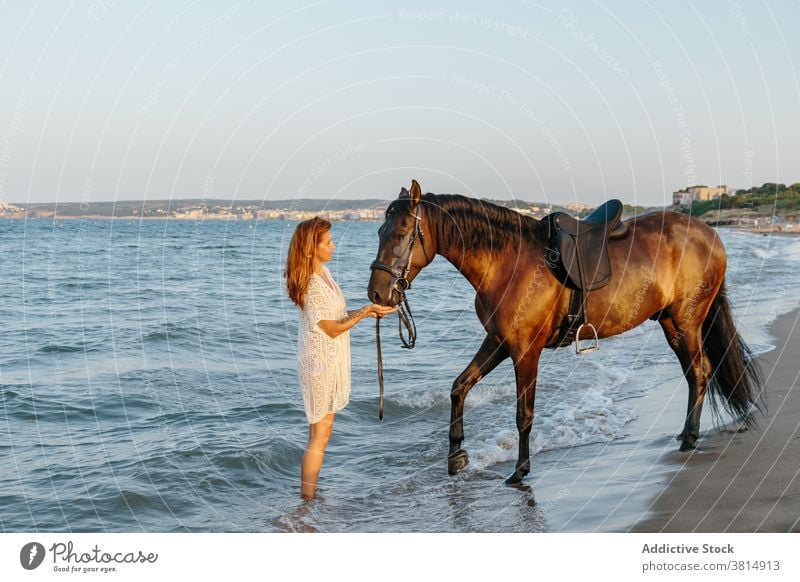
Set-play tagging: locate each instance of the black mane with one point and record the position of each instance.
(474, 224)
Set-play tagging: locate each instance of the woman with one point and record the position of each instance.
(323, 339)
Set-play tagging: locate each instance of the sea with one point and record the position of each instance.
(148, 383)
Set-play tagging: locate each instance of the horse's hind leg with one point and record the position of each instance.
(685, 338)
(674, 340)
(488, 357)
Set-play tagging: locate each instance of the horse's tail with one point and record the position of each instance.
(736, 379)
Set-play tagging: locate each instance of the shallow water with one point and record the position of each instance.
(148, 383)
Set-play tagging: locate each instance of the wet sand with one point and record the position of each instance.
(742, 482)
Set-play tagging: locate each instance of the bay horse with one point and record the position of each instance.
(668, 267)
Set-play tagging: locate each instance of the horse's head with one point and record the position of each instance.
(406, 245)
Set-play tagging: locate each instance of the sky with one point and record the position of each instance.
(573, 101)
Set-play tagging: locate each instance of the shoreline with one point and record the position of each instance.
(742, 482)
(764, 231)
(210, 218)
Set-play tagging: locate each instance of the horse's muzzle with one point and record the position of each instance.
(386, 285)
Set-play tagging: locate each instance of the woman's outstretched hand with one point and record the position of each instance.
(378, 311)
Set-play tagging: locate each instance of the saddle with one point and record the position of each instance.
(578, 256)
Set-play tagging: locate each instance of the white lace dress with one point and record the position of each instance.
(323, 363)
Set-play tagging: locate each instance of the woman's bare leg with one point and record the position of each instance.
(319, 434)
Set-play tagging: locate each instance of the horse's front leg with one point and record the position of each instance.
(490, 354)
(526, 369)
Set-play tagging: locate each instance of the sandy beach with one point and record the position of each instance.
(743, 482)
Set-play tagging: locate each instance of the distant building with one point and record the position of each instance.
(698, 193)
(268, 214)
(188, 213)
(372, 214)
(9, 209)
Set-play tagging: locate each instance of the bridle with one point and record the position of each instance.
(400, 284)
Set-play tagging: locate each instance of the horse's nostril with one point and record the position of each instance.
(375, 297)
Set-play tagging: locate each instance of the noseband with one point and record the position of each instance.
(400, 284)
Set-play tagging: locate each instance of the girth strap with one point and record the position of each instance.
(576, 317)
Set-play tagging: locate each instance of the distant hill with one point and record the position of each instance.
(155, 208)
(137, 207)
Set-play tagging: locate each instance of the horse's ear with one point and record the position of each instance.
(416, 193)
(403, 193)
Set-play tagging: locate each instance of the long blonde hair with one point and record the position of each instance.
(300, 258)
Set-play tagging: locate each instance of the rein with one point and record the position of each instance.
(405, 318)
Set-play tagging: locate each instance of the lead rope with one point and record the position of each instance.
(405, 319)
(380, 366)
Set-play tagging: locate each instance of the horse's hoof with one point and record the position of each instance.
(515, 479)
(688, 444)
(457, 461)
(522, 487)
(519, 474)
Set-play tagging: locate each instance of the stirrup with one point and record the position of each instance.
(592, 347)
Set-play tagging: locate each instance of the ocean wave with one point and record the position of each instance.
(44, 410)
(561, 422)
(136, 501)
(176, 330)
(432, 398)
(54, 348)
(82, 284)
(8, 393)
(278, 459)
(501, 448)
(275, 458)
(792, 252)
(262, 412)
(183, 417)
(40, 405)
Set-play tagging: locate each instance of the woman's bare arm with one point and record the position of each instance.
(336, 327)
